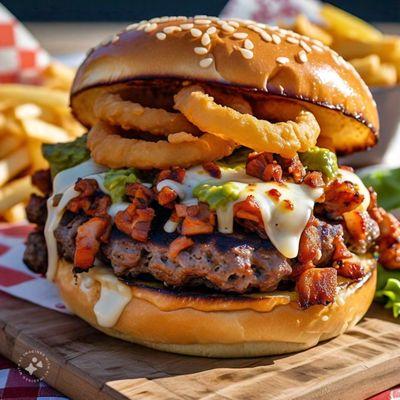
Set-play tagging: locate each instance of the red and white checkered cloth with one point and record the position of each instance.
(15, 278)
(21, 57)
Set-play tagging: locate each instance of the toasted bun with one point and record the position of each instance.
(221, 326)
(277, 64)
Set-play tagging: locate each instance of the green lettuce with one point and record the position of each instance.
(388, 289)
(217, 196)
(115, 181)
(62, 156)
(386, 183)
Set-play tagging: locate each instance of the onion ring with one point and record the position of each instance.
(181, 137)
(110, 149)
(112, 109)
(235, 101)
(284, 138)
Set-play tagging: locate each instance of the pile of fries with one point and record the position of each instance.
(375, 56)
(30, 116)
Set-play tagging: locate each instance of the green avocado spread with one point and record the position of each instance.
(320, 159)
(62, 156)
(115, 181)
(217, 196)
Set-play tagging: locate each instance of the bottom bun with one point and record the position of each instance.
(211, 325)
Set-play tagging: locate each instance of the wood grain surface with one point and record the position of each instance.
(85, 364)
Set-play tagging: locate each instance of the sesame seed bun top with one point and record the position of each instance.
(273, 63)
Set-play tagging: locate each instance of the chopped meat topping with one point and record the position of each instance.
(36, 210)
(317, 286)
(197, 220)
(42, 180)
(213, 169)
(135, 221)
(176, 174)
(341, 197)
(87, 243)
(139, 192)
(91, 200)
(177, 245)
(166, 197)
(264, 167)
(350, 268)
(314, 179)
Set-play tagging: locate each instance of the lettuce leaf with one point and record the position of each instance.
(115, 181)
(387, 184)
(388, 289)
(62, 156)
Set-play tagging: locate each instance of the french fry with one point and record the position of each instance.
(13, 164)
(34, 94)
(345, 25)
(43, 131)
(304, 26)
(27, 110)
(16, 213)
(58, 76)
(15, 192)
(388, 48)
(385, 76)
(8, 144)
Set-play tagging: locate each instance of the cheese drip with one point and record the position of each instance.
(284, 218)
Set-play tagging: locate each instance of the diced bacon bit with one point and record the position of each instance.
(294, 167)
(139, 192)
(213, 169)
(341, 197)
(90, 200)
(314, 179)
(87, 242)
(317, 286)
(341, 252)
(177, 245)
(248, 209)
(198, 220)
(166, 197)
(42, 180)
(350, 268)
(135, 221)
(264, 167)
(176, 174)
(180, 210)
(310, 243)
(389, 239)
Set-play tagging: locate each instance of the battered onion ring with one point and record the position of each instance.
(112, 109)
(284, 138)
(235, 101)
(110, 149)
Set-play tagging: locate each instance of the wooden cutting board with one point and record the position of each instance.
(85, 364)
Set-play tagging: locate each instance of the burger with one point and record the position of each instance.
(204, 212)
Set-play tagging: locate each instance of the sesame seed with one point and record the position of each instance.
(221, 22)
(317, 48)
(240, 35)
(302, 56)
(234, 23)
(115, 39)
(164, 19)
(201, 50)
(155, 19)
(292, 40)
(325, 318)
(201, 16)
(196, 32)
(186, 27)
(202, 21)
(317, 42)
(161, 35)
(228, 28)
(205, 39)
(206, 62)
(248, 44)
(150, 27)
(266, 36)
(131, 27)
(260, 25)
(248, 54)
(282, 60)
(211, 30)
(171, 29)
(141, 26)
(276, 39)
(305, 46)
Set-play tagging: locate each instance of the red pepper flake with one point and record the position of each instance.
(288, 205)
(274, 194)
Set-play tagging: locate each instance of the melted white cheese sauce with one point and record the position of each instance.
(114, 295)
(283, 225)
